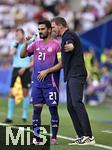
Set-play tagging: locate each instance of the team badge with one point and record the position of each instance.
(38, 49)
(50, 49)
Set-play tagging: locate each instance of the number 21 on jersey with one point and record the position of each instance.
(52, 95)
(41, 56)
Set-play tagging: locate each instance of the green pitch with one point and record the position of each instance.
(100, 116)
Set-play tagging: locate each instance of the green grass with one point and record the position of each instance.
(97, 115)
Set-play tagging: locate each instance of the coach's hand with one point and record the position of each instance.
(68, 47)
(21, 71)
(43, 74)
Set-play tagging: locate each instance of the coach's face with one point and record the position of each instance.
(43, 31)
(56, 28)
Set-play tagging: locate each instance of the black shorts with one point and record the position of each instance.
(25, 78)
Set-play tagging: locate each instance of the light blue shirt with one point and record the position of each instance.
(20, 62)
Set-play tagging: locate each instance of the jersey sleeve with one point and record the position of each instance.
(58, 50)
(31, 48)
(58, 47)
(59, 55)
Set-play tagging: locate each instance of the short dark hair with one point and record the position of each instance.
(47, 23)
(21, 30)
(60, 20)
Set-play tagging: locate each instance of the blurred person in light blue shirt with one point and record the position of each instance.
(21, 68)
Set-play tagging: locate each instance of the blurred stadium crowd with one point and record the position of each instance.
(14, 13)
(28, 13)
(99, 82)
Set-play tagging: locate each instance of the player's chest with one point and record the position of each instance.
(44, 52)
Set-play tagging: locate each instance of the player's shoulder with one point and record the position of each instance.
(38, 40)
(55, 41)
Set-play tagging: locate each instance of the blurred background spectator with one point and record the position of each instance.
(28, 13)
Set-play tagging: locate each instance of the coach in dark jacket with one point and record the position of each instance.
(75, 74)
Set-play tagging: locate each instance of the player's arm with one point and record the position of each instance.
(58, 66)
(31, 63)
(55, 68)
(24, 53)
(28, 47)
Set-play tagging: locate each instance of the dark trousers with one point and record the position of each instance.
(76, 107)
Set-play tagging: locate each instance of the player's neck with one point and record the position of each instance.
(47, 39)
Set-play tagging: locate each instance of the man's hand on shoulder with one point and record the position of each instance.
(68, 47)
